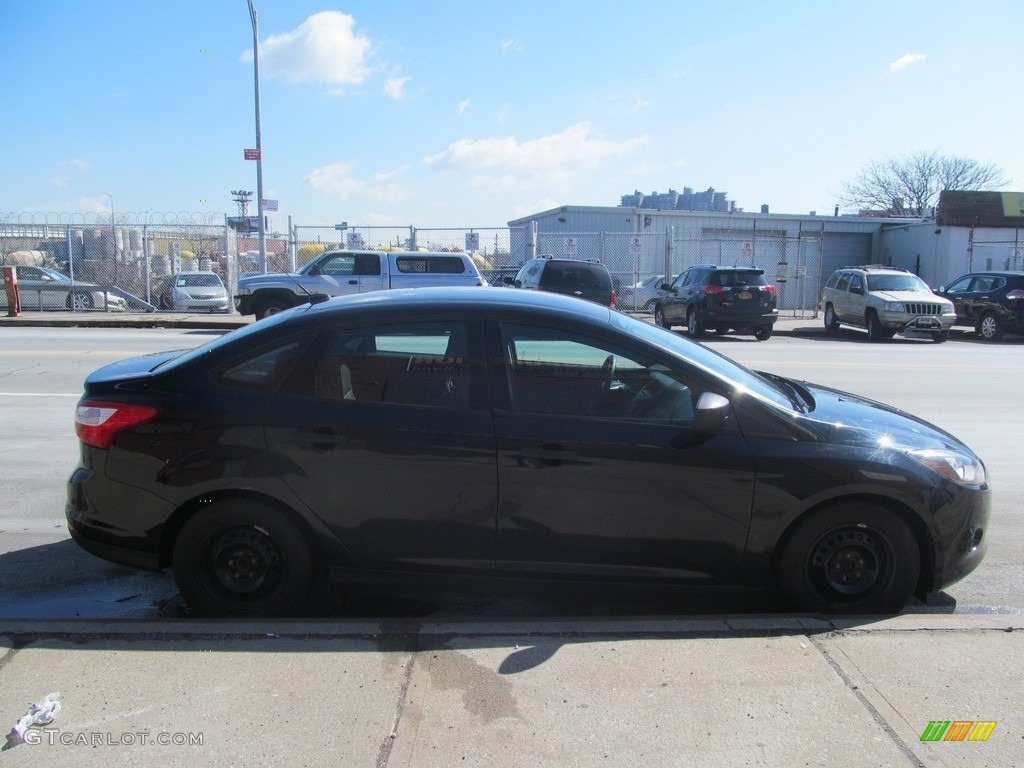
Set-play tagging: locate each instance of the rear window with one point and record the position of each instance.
(577, 275)
(449, 265)
(739, 277)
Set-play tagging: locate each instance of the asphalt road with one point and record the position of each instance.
(967, 387)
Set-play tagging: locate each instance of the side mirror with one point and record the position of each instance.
(665, 287)
(940, 289)
(712, 412)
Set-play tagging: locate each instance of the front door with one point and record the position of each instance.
(600, 470)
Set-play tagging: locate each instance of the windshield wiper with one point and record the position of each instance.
(797, 395)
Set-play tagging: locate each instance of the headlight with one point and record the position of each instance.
(893, 306)
(952, 465)
(243, 291)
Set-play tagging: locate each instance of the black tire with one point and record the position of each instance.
(875, 330)
(659, 317)
(941, 336)
(237, 558)
(990, 327)
(693, 326)
(763, 333)
(831, 323)
(850, 558)
(269, 307)
(78, 300)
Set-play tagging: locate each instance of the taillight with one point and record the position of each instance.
(712, 290)
(97, 422)
(769, 289)
(615, 299)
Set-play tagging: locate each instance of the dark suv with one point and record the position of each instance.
(992, 302)
(724, 298)
(574, 277)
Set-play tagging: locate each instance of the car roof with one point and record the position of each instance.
(464, 299)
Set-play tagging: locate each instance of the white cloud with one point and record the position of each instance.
(511, 45)
(463, 105)
(394, 86)
(338, 181)
(59, 181)
(81, 165)
(323, 48)
(507, 162)
(905, 61)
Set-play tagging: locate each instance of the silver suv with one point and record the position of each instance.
(885, 300)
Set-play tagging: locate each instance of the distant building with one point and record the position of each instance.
(687, 200)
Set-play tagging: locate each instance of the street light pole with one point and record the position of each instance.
(259, 146)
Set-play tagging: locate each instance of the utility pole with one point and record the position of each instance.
(259, 145)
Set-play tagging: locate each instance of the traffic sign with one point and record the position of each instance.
(252, 154)
(342, 227)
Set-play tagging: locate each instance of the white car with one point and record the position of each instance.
(42, 288)
(196, 292)
(641, 296)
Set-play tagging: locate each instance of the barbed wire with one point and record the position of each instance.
(121, 218)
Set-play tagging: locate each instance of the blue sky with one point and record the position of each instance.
(471, 114)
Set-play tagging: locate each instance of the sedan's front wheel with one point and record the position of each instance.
(242, 558)
(850, 558)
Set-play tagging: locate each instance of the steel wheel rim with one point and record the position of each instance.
(850, 562)
(245, 561)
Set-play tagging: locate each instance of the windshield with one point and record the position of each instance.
(198, 280)
(896, 283)
(707, 359)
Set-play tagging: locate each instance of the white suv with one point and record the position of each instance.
(885, 300)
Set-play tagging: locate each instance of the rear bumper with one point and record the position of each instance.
(733, 319)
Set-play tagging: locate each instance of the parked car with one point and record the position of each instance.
(416, 433)
(48, 289)
(885, 300)
(990, 302)
(588, 279)
(738, 299)
(339, 273)
(194, 292)
(642, 295)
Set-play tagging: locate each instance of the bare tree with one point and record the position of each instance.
(910, 186)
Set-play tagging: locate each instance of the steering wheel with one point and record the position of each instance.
(608, 373)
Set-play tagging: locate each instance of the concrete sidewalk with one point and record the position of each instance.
(772, 691)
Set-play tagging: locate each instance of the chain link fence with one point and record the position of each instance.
(141, 259)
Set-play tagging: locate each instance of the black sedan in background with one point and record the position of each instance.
(990, 302)
(510, 434)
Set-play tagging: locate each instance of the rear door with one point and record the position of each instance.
(386, 437)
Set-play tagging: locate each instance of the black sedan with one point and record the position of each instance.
(990, 302)
(511, 434)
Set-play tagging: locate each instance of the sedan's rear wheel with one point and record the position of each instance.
(990, 327)
(242, 558)
(850, 558)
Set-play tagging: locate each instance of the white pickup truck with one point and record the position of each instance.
(337, 273)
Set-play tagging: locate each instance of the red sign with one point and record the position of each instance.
(252, 154)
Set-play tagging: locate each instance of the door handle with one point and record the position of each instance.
(322, 438)
(549, 453)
